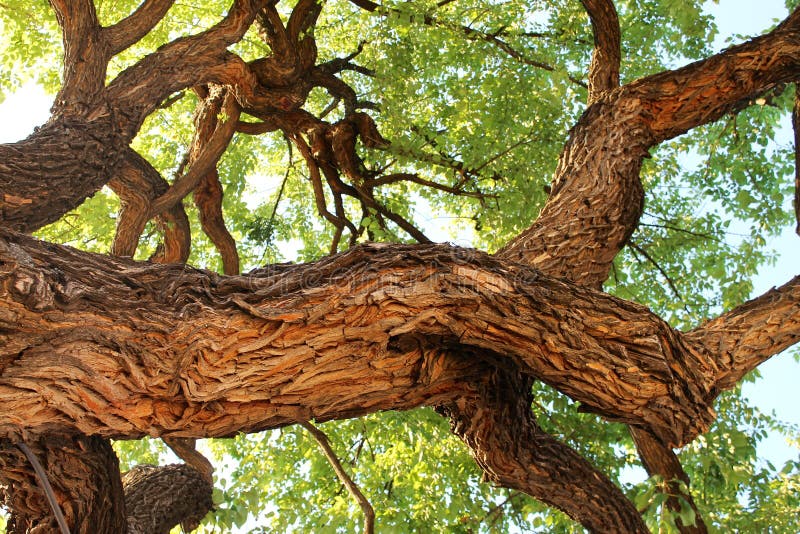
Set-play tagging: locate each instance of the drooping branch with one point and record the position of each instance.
(324, 444)
(204, 154)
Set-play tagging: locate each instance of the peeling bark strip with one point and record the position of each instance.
(344, 336)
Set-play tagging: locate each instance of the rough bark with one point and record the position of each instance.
(497, 423)
(84, 474)
(596, 198)
(277, 343)
(119, 349)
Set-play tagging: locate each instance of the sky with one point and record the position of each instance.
(777, 390)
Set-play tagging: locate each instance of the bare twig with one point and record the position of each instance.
(652, 260)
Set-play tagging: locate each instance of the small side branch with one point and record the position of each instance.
(322, 440)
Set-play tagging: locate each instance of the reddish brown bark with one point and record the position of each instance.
(84, 474)
(113, 348)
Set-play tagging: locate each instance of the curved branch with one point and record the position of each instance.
(135, 26)
(497, 423)
(205, 156)
(183, 63)
(596, 188)
(604, 69)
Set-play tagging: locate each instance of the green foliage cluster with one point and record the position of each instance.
(447, 95)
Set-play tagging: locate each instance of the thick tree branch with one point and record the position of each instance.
(85, 54)
(27, 202)
(497, 423)
(185, 62)
(604, 69)
(748, 335)
(135, 26)
(616, 358)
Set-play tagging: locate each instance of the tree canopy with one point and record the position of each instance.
(226, 232)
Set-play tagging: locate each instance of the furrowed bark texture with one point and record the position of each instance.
(118, 349)
(497, 423)
(84, 474)
(158, 498)
(121, 349)
(79, 149)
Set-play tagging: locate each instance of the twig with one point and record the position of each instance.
(649, 258)
(322, 440)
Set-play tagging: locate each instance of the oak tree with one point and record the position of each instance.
(597, 150)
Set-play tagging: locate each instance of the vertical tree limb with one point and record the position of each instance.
(658, 459)
(606, 57)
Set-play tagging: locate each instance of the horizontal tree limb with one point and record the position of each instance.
(122, 349)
